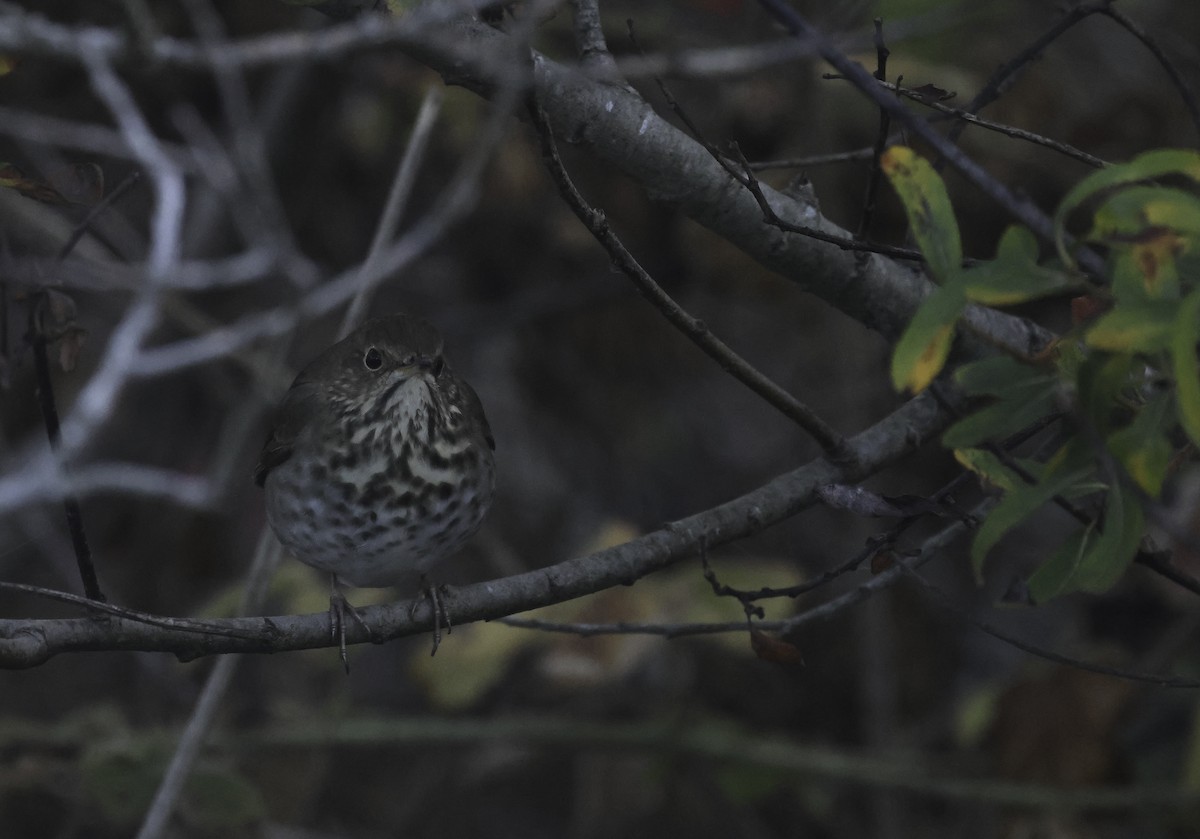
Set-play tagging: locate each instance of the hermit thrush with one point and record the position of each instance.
(379, 463)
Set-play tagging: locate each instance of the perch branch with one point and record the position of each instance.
(26, 643)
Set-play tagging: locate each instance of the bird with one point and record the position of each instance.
(378, 464)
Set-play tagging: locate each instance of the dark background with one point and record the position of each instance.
(608, 423)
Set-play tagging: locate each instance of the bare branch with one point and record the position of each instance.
(831, 442)
(27, 33)
(904, 567)
(393, 210)
(1007, 74)
(589, 41)
(1185, 90)
(84, 136)
(999, 128)
(40, 478)
(814, 160)
(1019, 208)
(944, 602)
(200, 723)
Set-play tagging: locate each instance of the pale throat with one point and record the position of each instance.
(416, 415)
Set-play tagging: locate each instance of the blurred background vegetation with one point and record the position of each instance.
(608, 423)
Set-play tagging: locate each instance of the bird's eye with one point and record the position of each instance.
(372, 358)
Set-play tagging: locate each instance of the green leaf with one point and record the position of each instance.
(1111, 552)
(1026, 394)
(927, 205)
(1102, 383)
(1018, 244)
(1014, 276)
(1135, 209)
(1000, 419)
(1152, 164)
(999, 284)
(1152, 257)
(989, 468)
(1066, 474)
(1187, 371)
(1053, 577)
(1128, 277)
(1144, 450)
(1001, 375)
(1144, 327)
(922, 350)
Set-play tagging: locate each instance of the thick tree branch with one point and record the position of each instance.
(621, 128)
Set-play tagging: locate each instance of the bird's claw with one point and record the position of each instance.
(339, 608)
(441, 616)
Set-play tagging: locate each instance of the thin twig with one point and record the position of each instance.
(393, 210)
(200, 723)
(876, 544)
(1181, 85)
(928, 550)
(772, 218)
(745, 176)
(27, 33)
(95, 212)
(1161, 565)
(853, 156)
(1020, 208)
(830, 441)
(889, 538)
(249, 186)
(43, 479)
(38, 340)
(96, 401)
(1007, 130)
(998, 127)
(686, 119)
(45, 392)
(881, 137)
(141, 24)
(1006, 74)
(664, 630)
(829, 610)
(83, 136)
(944, 602)
(105, 608)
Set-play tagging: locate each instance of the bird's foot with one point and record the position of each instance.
(339, 608)
(441, 616)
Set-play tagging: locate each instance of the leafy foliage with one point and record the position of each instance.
(1127, 379)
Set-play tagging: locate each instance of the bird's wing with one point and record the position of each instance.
(299, 404)
(472, 399)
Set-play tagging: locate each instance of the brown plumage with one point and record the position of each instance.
(379, 462)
